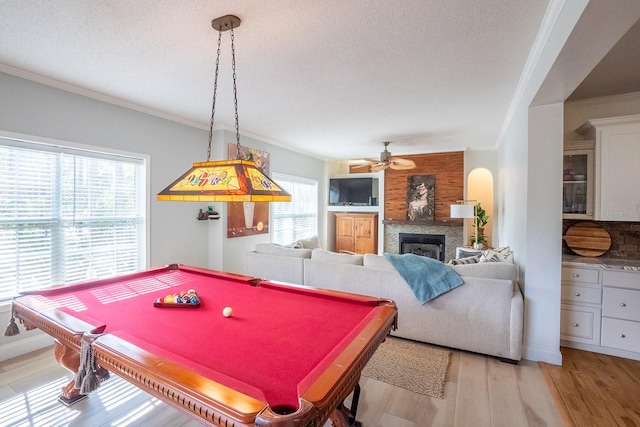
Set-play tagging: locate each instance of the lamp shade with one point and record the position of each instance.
(224, 181)
(462, 211)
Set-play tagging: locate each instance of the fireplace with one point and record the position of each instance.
(428, 245)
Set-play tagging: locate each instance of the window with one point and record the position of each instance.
(67, 215)
(297, 219)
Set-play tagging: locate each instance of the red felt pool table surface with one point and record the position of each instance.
(280, 342)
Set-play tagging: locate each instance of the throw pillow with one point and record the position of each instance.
(310, 243)
(467, 260)
(506, 252)
(491, 256)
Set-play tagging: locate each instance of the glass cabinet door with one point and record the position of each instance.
(577, 183)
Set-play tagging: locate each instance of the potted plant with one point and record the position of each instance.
(480, 220)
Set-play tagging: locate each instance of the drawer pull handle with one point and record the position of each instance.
(623, 304)
(623, 336)
(577, 294)
(576, 325)
(576, 274)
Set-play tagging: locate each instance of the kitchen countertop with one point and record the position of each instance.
(613, 263)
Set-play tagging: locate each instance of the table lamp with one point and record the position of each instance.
(465, 210)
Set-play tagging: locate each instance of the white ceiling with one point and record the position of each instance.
(331, 78)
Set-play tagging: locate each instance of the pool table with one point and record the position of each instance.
(286, 356)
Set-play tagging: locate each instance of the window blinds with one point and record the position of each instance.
(67, 215)
(298, 218)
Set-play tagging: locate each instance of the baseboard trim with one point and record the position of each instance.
(536, 355)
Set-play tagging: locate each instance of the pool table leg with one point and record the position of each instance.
(70, 360)
(346, 417)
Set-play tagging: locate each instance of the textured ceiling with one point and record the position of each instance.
(332, 78)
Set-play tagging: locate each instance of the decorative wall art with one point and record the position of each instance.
(248, 218)
(420, 197)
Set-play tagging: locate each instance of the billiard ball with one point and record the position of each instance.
(226, 312)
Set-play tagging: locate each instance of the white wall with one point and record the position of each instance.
(41, 111)
(544, 231)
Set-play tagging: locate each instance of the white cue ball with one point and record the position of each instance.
(226, 312)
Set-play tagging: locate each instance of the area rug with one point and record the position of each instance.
(410, 365)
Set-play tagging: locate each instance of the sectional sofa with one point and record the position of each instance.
(483, 315)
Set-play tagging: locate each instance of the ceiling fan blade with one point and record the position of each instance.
(362, 165)
(379, 167)
(401, 161)
(398, 166)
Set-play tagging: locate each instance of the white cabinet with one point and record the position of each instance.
(617, 153)
(600, 310)
(621, 310)
(580, 324)
(580, 311)
(578, 180)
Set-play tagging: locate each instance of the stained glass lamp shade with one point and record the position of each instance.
(224, 181)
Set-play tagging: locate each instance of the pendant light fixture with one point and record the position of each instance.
(227, 180)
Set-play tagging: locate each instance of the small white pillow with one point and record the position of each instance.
(468, 260)
(491, 256)
(310, 243)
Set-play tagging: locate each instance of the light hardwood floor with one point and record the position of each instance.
(480, 391)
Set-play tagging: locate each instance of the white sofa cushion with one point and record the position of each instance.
(322, 255)
(271, 249)
(377, 261)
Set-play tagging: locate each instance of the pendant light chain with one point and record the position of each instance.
(215, 91)
(235, 93)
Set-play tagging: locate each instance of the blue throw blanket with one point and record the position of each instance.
(427, 277)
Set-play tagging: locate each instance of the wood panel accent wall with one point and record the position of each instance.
(448, 169)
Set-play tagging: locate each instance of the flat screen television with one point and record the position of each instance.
(352, 192)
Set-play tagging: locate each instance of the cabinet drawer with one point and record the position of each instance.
(571, 293)
(580, 324)
(579, 274)
(621, 303)
(621, 334)
(621, 279)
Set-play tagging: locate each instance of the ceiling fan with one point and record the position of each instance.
(387, 161)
